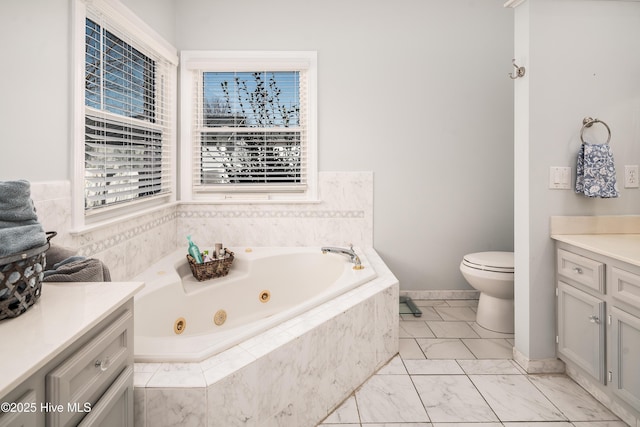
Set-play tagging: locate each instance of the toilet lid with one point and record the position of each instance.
(501, 262)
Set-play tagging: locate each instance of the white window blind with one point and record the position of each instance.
(128, 117)
(250, 131)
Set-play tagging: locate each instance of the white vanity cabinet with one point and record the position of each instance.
(71, 365)
(625, 335)
(581, 310)
(598, 323)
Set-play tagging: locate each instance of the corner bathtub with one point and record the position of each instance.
(290, 361)
(179, 319)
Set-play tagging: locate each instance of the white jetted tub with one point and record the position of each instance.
(179, 319)
(290, 360)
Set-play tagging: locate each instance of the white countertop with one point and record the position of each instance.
(63, 313)
(623, 247)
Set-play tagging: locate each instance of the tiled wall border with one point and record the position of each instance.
(95, 247)
(249, 214)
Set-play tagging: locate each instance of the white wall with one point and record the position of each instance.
(34, 88)
(35, 84)
(415, 91)
(159, 14)
(582, 59)
(441, 149)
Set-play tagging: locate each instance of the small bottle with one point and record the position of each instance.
(219, 251)
(194, 251)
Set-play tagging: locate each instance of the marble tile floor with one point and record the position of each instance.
(450, 372)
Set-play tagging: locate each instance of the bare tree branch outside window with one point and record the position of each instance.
(252, 131)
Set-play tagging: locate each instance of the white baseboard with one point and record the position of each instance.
(443, 294)
(538, 366)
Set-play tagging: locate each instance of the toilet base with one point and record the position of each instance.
(495, 314)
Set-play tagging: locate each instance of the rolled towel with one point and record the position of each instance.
(15, 202)
(19, 239)
(19, 226)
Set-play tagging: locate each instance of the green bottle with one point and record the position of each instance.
(194, 251)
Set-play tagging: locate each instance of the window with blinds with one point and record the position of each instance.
(250, 133)
(127, 118)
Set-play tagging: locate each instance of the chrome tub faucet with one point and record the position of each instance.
(353, 257)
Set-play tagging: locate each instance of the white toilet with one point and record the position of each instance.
(492, 274)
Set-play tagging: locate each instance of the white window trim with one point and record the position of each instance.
(245, 61)
(141, 31)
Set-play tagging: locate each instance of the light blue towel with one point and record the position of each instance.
(19, 226)
(596, 172)
(15, 202)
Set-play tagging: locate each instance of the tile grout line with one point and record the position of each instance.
(417, 392)
(484, 399)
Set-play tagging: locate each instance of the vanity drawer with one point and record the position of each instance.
(625, 286)
(22, 413)
(85, 376)
(115, 407)
(581, 270)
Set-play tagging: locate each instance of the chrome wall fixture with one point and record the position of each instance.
(587, 122)
(520, 71)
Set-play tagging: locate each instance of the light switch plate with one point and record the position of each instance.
(560, 177)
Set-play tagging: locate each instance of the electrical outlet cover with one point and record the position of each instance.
(631, 176)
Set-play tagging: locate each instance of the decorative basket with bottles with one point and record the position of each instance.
(204, 267)
(211, 269)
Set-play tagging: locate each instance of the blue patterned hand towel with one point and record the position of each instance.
(596, 172)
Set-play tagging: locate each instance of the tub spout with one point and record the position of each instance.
(353, 257)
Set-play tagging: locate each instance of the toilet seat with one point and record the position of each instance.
(495, 261)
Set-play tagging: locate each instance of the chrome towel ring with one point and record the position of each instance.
(587, 122)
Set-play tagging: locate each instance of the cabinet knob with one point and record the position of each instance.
(594, 319)
(103, 364)
(577, 270)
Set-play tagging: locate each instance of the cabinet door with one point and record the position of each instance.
(581, 329)
(625, 356)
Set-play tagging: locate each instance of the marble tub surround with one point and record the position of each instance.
(342, 215)
(280, 377)
(52, 200)
(130, 247)
(120, 245)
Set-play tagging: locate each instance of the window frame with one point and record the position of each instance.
(125, 23)
(196, 62)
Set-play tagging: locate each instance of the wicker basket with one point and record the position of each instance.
(21, 279)
(211, 269)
